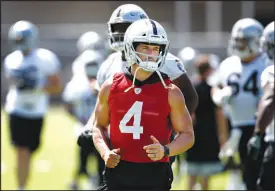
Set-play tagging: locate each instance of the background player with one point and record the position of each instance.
(240, 79)
(80, 98)
(202, 158)
(34, 74)
(265, 118)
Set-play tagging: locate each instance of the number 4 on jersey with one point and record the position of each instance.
(136, 129)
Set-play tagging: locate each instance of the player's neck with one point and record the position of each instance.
(250, 59)
(141, 74)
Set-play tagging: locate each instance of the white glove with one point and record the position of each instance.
(231, 145)
(222, 96)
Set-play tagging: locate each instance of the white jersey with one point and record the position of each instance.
(79, 93)
(173, 67)
(40, 64)
(246, 83)
(268, 77)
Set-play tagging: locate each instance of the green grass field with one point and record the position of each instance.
(54, 162)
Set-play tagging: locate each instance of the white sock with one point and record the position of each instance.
(21, 188)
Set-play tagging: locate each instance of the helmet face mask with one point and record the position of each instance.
(268, 47)
(91, 41)
(141, 32)
(116, 37)
(91, 70)
(267, 40)
(145, 61)
(241, 47)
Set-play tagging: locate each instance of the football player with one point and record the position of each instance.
(120, 20)
(91, 40)
(80, 98)
(33, 74)
(265, 118)
(137, 152)
(240, 89)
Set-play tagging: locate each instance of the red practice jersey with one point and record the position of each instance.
(136, 114)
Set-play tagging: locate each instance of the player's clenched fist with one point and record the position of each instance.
(112, 158)
(154, 151)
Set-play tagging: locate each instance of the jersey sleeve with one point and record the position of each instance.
(70, 93)
(9, 61)
(51, 64)
(66, 95)
(173, 67)
(267, 76)
(219, 73)
(6, 68)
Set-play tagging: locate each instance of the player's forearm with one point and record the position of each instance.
(265, 114)
(181, 143)
(53, 85)
(222, 127)
(101, 140)
(53, 89)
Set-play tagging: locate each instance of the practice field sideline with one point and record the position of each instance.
(54, 162)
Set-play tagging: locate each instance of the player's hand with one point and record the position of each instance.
(254, 146)
(227, 93)
(112, 158)
(85, 140)
(154, 151)
(231, 146)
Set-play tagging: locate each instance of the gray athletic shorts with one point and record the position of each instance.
(204, 169)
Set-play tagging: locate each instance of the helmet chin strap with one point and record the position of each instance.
(161, 79)
(134, 79)
(133, 83)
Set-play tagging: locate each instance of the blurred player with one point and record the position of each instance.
(137, 152)
(92, 41)
(188, 56)
(202, 158)
(34, 74)
(91, 48)
(240, 89)
(80, 97)
(265, 117)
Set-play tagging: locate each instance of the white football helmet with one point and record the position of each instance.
(23, 36)
(87, 64)
(90, 41)
(267, 40)
(188, 56)
(150, 32)
(245, 38)
(120, 20)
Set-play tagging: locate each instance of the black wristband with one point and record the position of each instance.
(166, 151)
